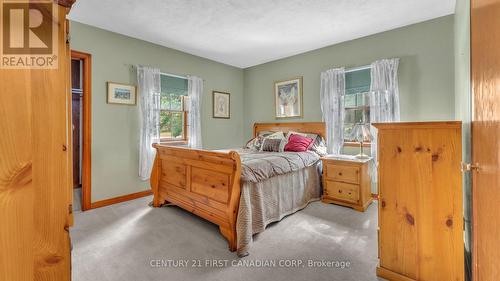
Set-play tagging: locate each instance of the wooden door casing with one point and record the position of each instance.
(85, 88)
(485, 59)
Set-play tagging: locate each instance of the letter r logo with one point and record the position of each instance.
(27, 28)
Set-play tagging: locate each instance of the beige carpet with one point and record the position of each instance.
(132, 241)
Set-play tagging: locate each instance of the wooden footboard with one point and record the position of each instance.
(205, 183)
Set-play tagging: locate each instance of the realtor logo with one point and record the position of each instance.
(29, 34)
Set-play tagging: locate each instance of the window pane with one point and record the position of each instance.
(347, 131)
(350, 116)
(357, 81)
(165, 125)
(173, 89)
(171, 102)
(365, 99)
(177, 125)
(350, 100)
(171, 125)
(359, 116)
(173, 85)
(355, 115)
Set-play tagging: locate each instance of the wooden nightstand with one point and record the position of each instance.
(346, 181)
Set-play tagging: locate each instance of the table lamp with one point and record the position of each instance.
(361, 133)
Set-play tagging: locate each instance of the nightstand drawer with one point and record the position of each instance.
(342, 173)
(343, 191)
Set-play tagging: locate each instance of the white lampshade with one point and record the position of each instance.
(361, 133)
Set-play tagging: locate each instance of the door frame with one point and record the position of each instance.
(86, 126)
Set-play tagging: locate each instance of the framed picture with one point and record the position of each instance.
(288, 98)
(221, 105)
(121, 94)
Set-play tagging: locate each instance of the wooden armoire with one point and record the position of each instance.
(420, 201)
(35, 157)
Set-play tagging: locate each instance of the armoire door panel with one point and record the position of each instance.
(397, 207)
(35, 181)
(438, 173)
(420, 208)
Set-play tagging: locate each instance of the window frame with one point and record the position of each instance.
(185, 137)
(364, 108)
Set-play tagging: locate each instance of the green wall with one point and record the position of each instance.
(426, 72)
(115, 128)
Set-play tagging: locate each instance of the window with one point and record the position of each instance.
(356, 100)
(173, 115)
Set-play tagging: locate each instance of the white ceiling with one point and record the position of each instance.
(245, 33)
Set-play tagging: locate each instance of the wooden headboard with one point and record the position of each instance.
(318, 128)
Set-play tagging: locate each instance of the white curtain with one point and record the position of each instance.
(332, 105)
(195, 94)
(384, 100)
(148, 80)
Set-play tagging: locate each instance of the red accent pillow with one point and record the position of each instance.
(298, 143)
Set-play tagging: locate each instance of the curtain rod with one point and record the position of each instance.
(358, 68)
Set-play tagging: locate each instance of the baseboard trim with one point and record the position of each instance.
(119, 199)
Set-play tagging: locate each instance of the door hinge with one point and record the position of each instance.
(469, 167)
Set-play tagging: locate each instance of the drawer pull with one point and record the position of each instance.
(340, 190)
(340, 174)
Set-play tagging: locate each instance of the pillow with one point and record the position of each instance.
(255, 143)
(280, 136)
(298, 143)
(271, 145)
(319, 144)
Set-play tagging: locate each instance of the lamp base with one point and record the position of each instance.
(362, 156)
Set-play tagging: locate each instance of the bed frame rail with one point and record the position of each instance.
(205, 183)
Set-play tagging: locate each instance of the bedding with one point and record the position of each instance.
(273, 185)
(258, 166)
(269, 200)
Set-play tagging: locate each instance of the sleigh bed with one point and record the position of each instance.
(239, 190)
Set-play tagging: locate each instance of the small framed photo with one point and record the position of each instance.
(221, 105)
(288, 98)
(121, 94)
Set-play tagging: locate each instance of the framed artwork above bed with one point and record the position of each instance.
(288, 98)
